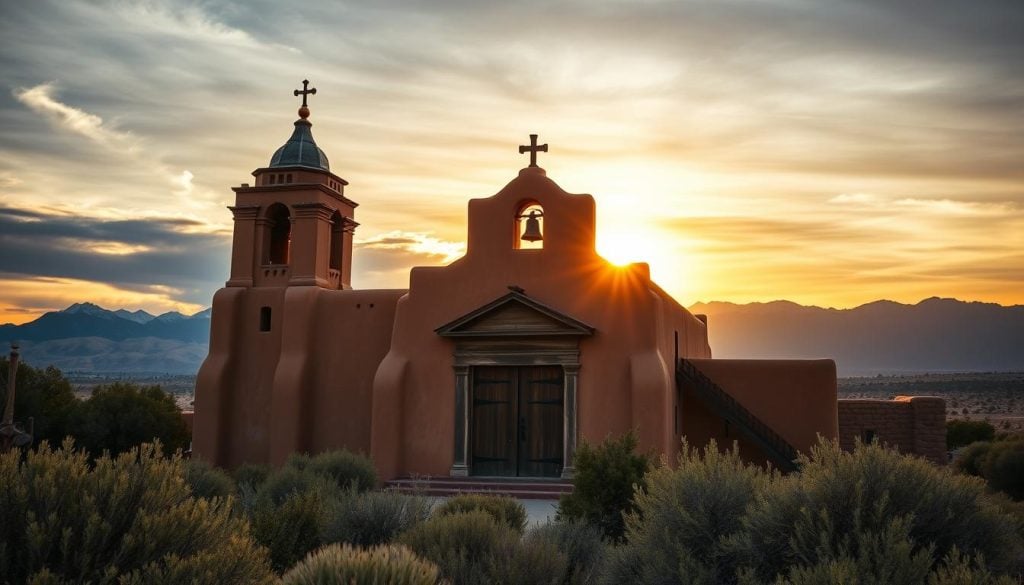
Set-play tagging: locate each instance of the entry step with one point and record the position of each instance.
(523, 489)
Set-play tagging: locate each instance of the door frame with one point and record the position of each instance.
(517, 401)
(469, 353)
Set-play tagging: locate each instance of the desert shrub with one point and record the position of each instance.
(287, 481)
(253, 474)
(344, 565)
(603, 484)
(1003, 467)
(970, 459)
(45, 395)
(373, 518)
(298, 461)
(503, 509)
(129, 519)
(289, 512)
(207, 481)
(1000, 463)
(845, 505)
(465, 545)
(291, 528)
(582, 545)
(960, 433)
(685, 524)
(528, 561)
(120, 416)
(346, 469)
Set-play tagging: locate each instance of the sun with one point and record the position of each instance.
(622, 248)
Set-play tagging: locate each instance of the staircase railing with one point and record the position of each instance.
(782, 454)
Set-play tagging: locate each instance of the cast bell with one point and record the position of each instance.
(532, 231)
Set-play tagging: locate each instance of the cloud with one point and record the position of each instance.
(40, 99)
(859, 198)
(414, 243)
(152, 255)
(872, 134)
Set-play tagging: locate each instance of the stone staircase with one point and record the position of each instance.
(778, 450)
(523, 489)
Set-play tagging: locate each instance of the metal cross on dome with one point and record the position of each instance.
(306, 90)
(533, 149)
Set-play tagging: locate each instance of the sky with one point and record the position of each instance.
(825, 152)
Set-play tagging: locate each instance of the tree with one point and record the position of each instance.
(44, 395)
(121, 416)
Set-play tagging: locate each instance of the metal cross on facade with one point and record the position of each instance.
(306, 90)
(533, 149)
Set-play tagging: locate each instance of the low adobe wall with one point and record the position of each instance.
(912, 424)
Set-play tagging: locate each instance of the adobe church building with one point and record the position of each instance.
(497, 365)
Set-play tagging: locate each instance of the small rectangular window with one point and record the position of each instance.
(868, 436)
(289, 178)
(265, 319)
(270, 179)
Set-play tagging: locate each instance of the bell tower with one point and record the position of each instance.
(294, 225)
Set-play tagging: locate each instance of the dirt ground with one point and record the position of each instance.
(994, 397)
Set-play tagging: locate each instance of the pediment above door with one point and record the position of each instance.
(514, 315)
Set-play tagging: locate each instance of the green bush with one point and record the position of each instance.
(345, 565)
(290, 529)
(121, 416)
(344, 468)
(503, 509)
(530, 561)
(288, 512)
(465, 545)
(580, 543)
(253, 474)
(1004, 468)
(840, 501)
(374, 518)
(870, 516)
(971, 459)
(129, 519)
(289, 481)
(688, 519)
(1000, 463)
(603, 484)
(44, 395)
(208, 481)
(960, 433)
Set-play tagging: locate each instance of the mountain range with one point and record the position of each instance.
(883, 337)
(88, 338)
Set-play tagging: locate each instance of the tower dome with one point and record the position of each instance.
(300, 150)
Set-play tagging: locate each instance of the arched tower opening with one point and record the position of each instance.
(529, 227)
(279, 232)
(337, 247)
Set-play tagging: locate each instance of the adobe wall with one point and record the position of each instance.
(796, 398)
(626, 374)
(303, 386)
(912, 424)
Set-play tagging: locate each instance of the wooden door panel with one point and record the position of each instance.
(494, 421)
(541, 411)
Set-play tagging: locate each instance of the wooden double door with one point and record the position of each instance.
(517, 421)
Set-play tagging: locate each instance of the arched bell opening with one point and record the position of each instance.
(337, 247)
(529, 227)
(279, 232)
